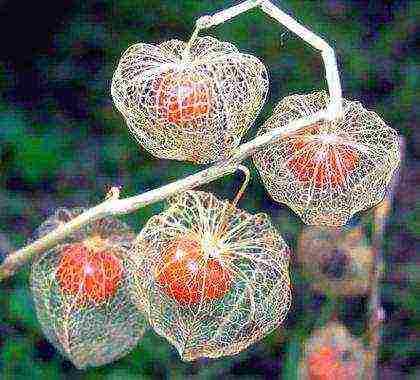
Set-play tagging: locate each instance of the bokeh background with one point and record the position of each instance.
(63, 144)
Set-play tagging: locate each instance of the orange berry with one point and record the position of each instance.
(188, 277)
(87, 274)
(328, 364)
(182, 98)
(322, 163)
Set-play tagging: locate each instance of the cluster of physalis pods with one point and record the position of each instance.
(209, 277)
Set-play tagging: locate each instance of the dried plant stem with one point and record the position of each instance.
(335, 108)
(115, 206)
(244, 185)
(376, 312)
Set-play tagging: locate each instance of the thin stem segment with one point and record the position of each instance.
(376, 311)
(335, 108)
(115, 206)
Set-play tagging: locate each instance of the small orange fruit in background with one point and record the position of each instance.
(187, 276)
(325, 163)
(182, 97)
(330, 364)
(89, 275)
(333, 353)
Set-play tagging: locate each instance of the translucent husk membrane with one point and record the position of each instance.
(224, 288)
(330, 170)
(193, 107)
(337, 260)
(80, 290)
(332, 353)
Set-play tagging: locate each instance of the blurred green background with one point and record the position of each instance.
(63, 144)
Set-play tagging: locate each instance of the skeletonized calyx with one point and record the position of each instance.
(80, 290)
(189, 105)
(215, 277)
(330, 170)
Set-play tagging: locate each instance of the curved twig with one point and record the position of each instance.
(335, 108)
(376, 312)
(115, 206)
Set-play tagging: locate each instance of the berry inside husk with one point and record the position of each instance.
(335, 265)
(89, 275)
(320, 160)
(189, 276)
(182, 97)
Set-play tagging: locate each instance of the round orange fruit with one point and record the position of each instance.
(324, 163)
(182, 97)
(187, 276)
(330, 364)
(89, 275)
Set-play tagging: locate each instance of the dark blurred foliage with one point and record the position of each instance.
(63, 144)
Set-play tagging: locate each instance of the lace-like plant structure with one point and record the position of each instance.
(88, 275)
(216, 277)
(330, 170)
(80, 292)
(331, 353)
(192, 107)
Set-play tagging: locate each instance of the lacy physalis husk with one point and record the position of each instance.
(80, 290)
(191, 106)
(215, 277)
(328, 171)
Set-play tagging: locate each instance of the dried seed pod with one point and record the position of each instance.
(216, 277)
(339, 260)
(81, 295)
(331, 353)
(189, 105)
(332, 169)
